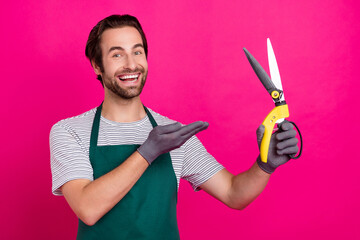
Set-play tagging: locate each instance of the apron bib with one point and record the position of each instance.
(148, 210)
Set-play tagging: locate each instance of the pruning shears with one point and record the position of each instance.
(274, 88)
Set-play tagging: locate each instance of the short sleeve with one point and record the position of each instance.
(69, 159)
(199, 165)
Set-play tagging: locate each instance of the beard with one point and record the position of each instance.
(128, 92)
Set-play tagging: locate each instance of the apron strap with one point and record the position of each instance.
(151, 118)
(96, 125)
(95, 131)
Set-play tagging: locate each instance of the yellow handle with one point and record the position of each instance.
(277, 113)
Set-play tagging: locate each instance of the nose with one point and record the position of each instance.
(130, 63)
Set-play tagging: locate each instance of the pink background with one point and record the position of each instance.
(197, 71)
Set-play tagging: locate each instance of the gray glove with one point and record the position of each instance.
(163, 139)
(282, 144)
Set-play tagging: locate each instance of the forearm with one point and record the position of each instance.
(246, 186)
(98, 197)
(239, 191)
(90, 200)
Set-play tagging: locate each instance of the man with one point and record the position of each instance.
(119, 165)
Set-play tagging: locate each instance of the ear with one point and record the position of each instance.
(96, 68)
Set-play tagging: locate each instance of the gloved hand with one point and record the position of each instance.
(282, 144)
(163, 139)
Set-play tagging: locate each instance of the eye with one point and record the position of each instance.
(138, 52)
(117, 55)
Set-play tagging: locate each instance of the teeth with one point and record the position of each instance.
(132, 80)
(129, 76)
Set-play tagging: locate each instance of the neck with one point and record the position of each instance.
(123, 110)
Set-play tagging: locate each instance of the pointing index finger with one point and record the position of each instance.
(193, 127)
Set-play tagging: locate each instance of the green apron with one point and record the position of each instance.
(148, 210)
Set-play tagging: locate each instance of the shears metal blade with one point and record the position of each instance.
(274, 87)
(274, 70)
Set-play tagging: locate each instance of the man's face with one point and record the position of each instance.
(124, 61)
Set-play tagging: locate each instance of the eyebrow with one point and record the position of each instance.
(121, 49)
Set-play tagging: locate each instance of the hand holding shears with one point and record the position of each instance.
(274, 88)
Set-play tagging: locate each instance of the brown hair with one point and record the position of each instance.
(93, 49)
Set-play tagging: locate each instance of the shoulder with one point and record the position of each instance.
(79, 122)
(160, 119)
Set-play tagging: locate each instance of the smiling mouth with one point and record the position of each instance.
(129, 77)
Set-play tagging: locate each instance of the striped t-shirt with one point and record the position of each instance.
(70, 143)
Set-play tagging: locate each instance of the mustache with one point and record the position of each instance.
(136, 70)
